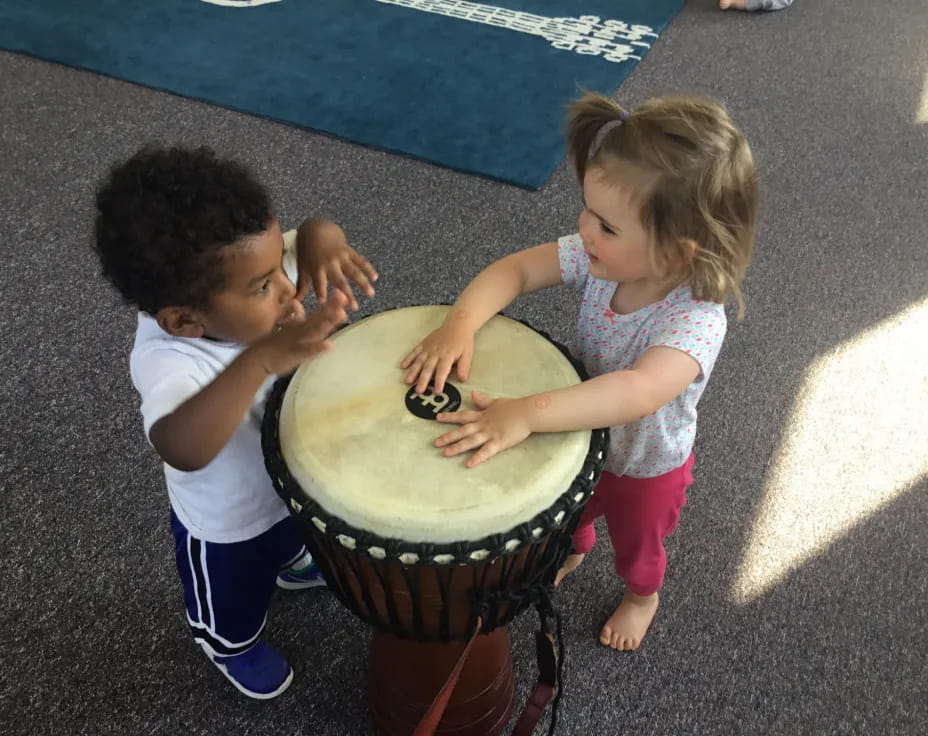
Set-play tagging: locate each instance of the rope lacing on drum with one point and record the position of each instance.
(548, 647)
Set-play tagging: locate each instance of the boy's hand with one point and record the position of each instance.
(301, 337)
(324, 257)
(437, 353)
(497, 425)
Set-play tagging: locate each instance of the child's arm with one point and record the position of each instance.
(194, 433)
(324, 257)
(621, 397)
(492, 290)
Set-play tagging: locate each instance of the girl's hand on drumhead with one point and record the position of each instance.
(437, 354)
(325, 259)
(497, 425)
(301, 337)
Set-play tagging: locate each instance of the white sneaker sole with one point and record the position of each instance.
(285, 585)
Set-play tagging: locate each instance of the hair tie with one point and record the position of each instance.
(623, 116)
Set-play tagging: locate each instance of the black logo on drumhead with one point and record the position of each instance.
(428, 404)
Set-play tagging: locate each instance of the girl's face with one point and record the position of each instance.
(613, 237)
(258, 296)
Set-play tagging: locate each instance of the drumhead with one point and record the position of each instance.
(354, 447)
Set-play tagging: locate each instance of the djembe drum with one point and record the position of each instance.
(436, 556)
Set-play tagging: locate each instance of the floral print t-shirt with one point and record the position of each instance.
(605, 341)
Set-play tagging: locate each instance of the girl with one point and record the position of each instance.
(665, 236)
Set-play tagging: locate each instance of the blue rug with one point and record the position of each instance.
(478, 88)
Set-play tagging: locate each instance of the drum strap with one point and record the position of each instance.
(429, 723)
(547, 687)
(549, 646)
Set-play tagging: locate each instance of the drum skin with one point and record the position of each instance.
(356, 439)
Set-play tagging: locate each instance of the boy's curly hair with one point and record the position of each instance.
(163, 218)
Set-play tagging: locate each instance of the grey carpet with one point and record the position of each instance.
(91, 631)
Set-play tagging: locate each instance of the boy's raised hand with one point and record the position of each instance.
(324, 258)
(496, 425)
(437, 353)
(301, 337)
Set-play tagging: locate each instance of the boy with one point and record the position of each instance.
(191, 240)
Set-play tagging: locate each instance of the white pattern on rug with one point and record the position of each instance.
(614, 40)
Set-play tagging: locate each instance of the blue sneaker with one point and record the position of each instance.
(300, 578)
(261, 672)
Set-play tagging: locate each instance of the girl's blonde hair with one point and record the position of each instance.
(698, 176)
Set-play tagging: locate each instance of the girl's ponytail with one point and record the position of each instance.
(587, 118)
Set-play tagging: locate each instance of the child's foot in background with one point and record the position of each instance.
(752, 5)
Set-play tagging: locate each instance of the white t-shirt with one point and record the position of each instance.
(231, 499)
(605, 342)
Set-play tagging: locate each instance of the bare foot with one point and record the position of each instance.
(629, 622)
(726, 4)
(570, 564)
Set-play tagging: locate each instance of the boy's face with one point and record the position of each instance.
(257, 296)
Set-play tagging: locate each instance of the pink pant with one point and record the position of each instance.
(640, 513)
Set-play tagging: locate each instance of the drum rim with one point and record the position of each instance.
(510, 542)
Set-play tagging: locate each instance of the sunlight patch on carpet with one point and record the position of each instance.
(856, 439)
